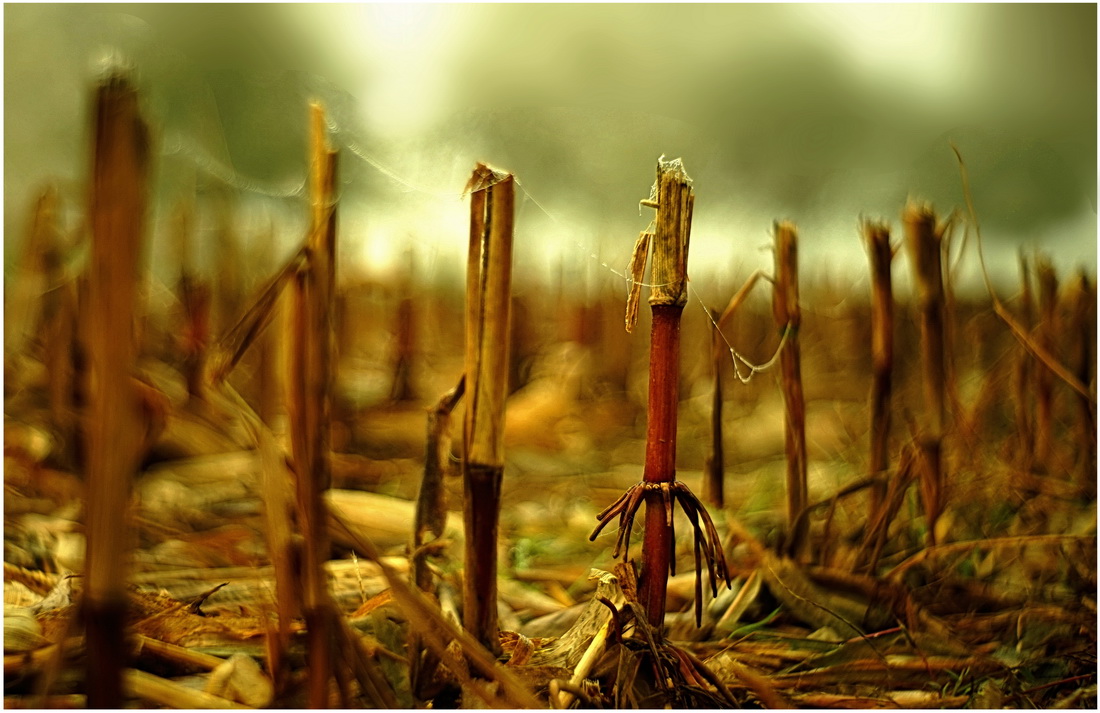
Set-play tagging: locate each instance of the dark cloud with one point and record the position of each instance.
(817, 113)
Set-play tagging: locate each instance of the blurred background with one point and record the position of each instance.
(816, 113)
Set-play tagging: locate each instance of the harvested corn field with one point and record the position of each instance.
(279, 448)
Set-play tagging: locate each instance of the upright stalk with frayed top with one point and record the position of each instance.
(668, 244)
(925, 250)
(114, 425)
(669, 251)
(788, 318)
(310, 368)
(881, 252)
(488, 302)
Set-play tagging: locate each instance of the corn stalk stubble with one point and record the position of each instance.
(488, 312)
(924, 239)
(119, 173)
(310, 368)
(788, 317)
(881, 252)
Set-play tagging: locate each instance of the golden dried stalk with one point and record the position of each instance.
(738, 299)
(637, 277)
(488, 304)
(672, 237)
(310, 367)
(788, 317)
(165, 692)
(114, 435)
(238, 338)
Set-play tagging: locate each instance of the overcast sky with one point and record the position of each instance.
(816, 113)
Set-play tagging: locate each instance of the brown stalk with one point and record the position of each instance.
(881, 253)
(428, 527)
(1084, 334)
(878, 526)
(739, 298)
(788, 317)
(238, 338)
(714, 470)
(194, 296)
(58, 327)
(924, 241)
(1044, 379)
(488, 302)
(431, 506)
(1019, 332)
(1021, 376)
(310, 368)
(114, 428)
(404, 336)
(270, 367)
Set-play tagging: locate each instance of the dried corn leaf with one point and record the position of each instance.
(637, 277)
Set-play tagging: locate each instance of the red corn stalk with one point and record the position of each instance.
(488, 302)
(881, 254)
(114, 428)
(924, 240)
(669, 249)
(788, 317)
(673, 198)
